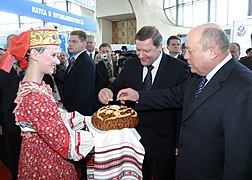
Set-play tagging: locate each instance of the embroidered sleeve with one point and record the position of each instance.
(44, 117)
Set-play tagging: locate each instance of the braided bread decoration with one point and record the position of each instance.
(114, 117)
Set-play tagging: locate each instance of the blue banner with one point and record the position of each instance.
(46, 13)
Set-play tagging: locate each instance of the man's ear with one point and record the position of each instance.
(213, 51)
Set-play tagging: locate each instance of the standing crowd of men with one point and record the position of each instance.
(210, 130)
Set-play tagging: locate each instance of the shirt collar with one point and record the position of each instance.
(214, 71)
(108, 62)
(93, 52)
(77, 55)
(156, 63)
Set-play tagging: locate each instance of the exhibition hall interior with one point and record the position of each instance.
(117, 21)
(112, 26)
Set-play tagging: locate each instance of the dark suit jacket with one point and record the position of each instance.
(102, 78)
(79, 86)
(49, 80)
(215, 136)
(59, 77)
(247, 61)
(8, 91)
(181, 57)
(156, 127)
(95, 53)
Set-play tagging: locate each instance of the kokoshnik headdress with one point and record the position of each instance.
(20, 44)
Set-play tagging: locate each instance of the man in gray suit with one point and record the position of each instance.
(215, 136)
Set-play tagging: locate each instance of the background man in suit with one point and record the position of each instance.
(248, 53)
(91, 47)
(156, 127)
(247, 61)
(215, 136)
(11, 132)
(60, 71)
(79, 84)
(173, 46)
(235, 50)
(106, 69)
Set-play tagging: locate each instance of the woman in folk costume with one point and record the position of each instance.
(51, 136)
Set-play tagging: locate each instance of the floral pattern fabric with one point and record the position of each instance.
(44, 154)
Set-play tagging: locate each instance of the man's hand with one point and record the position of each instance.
(127, 95)
(97, 58)
(105, 95)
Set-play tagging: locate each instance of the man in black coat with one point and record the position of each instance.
(103, 77)
(11, 132)
(79, 83)
(247, 61)
(215, 139)
(156, 127)
(78, 92)
(91, 47)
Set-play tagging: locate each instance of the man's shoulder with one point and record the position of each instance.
(247, 62)
(133, 60)
(246, 59)
(83, 55)
(100, 64)
(170, 59)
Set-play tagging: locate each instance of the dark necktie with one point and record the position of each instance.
(109, 70)
(148, 79)
(202, 83)
(72, 61)
(91, 56)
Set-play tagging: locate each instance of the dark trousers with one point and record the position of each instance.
(2, 150)
(159, 169)
(12, 143)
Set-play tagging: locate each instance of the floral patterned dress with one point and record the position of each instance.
(44, 154)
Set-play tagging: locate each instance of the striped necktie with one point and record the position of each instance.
(109, 70)
(148, 79)
(201, 86)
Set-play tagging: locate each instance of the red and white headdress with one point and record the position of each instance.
(20, 44)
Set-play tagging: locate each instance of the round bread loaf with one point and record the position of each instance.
(114, 117)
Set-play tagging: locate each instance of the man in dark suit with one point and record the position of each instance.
(103, 77)
(78, 92)
(60, 71)
(79, 84)
(91, 46)
(11, 132)
(247, 61)
(173, 46)
(156, 127)
(215, 136)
